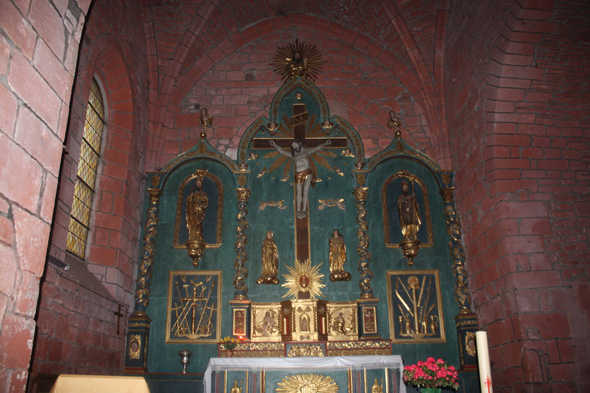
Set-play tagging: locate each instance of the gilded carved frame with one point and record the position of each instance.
(219, 227)
(393, 311)
(428, 219)
(172, 274)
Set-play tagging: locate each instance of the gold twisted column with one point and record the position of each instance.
(136, 351)
(360, 195)
(241, 275)
(466, 322)
(462, 295)
(144, 279)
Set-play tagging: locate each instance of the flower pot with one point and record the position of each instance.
(430, 390)
(229, 353)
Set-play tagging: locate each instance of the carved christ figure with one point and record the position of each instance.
(270, 261)
(337, 257)
(196, 205)
(409, 213)
(304, 176)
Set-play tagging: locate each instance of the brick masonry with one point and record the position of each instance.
(513, 70)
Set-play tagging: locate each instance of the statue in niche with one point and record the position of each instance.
(304, 176)
(196, 205)
(409, 213)
(337, 257)
(270, 261)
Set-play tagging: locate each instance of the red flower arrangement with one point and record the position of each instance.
(431, 374)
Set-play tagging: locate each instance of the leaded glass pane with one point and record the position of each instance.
(87, 169)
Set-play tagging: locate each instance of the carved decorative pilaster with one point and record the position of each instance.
(360, 195)
(462, 296)
(144, 279)
(240, 246)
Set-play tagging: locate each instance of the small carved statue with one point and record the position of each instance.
(236, 388)
(270, 261)
(377, 388)
(304, 176)
(339, 324)
(337, 257)
(196, 205)
(206, 121)
(297, 65)
(409, 213)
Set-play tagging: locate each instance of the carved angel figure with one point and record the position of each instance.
(205, 120)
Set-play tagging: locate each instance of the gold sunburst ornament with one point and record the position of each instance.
(298, 59)
(303, 277)
(307, 383)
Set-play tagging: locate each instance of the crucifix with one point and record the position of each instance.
(119, 315)
(301, 149)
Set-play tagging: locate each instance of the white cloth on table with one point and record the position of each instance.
(332, 362)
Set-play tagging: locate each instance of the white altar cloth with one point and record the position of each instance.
(332, 362)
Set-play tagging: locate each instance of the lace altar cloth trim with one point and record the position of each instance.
(339, 362)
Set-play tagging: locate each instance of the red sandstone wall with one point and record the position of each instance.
(519, 115)
(38, 52)
(77, 324)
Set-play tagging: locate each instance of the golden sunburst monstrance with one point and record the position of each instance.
(303, 277)
(309, 383)
(298, 59)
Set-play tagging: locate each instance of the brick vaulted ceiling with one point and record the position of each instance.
(187, 38)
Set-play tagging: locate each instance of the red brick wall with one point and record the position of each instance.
(38, 50)
(76, 325)
(362, 81)
(240, 88)
(519, 119)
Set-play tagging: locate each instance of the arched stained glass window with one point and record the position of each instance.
(87, 170)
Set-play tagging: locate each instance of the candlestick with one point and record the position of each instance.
(483, 361)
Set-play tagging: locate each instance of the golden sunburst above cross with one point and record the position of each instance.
(298, 59)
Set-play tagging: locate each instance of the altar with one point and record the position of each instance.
(352, 374)
(317, 260)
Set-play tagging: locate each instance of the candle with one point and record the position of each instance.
(483, 361)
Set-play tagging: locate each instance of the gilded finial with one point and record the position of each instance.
(206, 121)
(394, 122)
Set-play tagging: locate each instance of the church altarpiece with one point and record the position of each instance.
(334, 281)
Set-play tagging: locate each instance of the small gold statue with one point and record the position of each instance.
(206, 121)
(196, 205)
(270, 261)
(337, 257)
(409, 213)
(236, 388)
(377, 388)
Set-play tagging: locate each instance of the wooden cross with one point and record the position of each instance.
(298, 124)
(119, 315)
